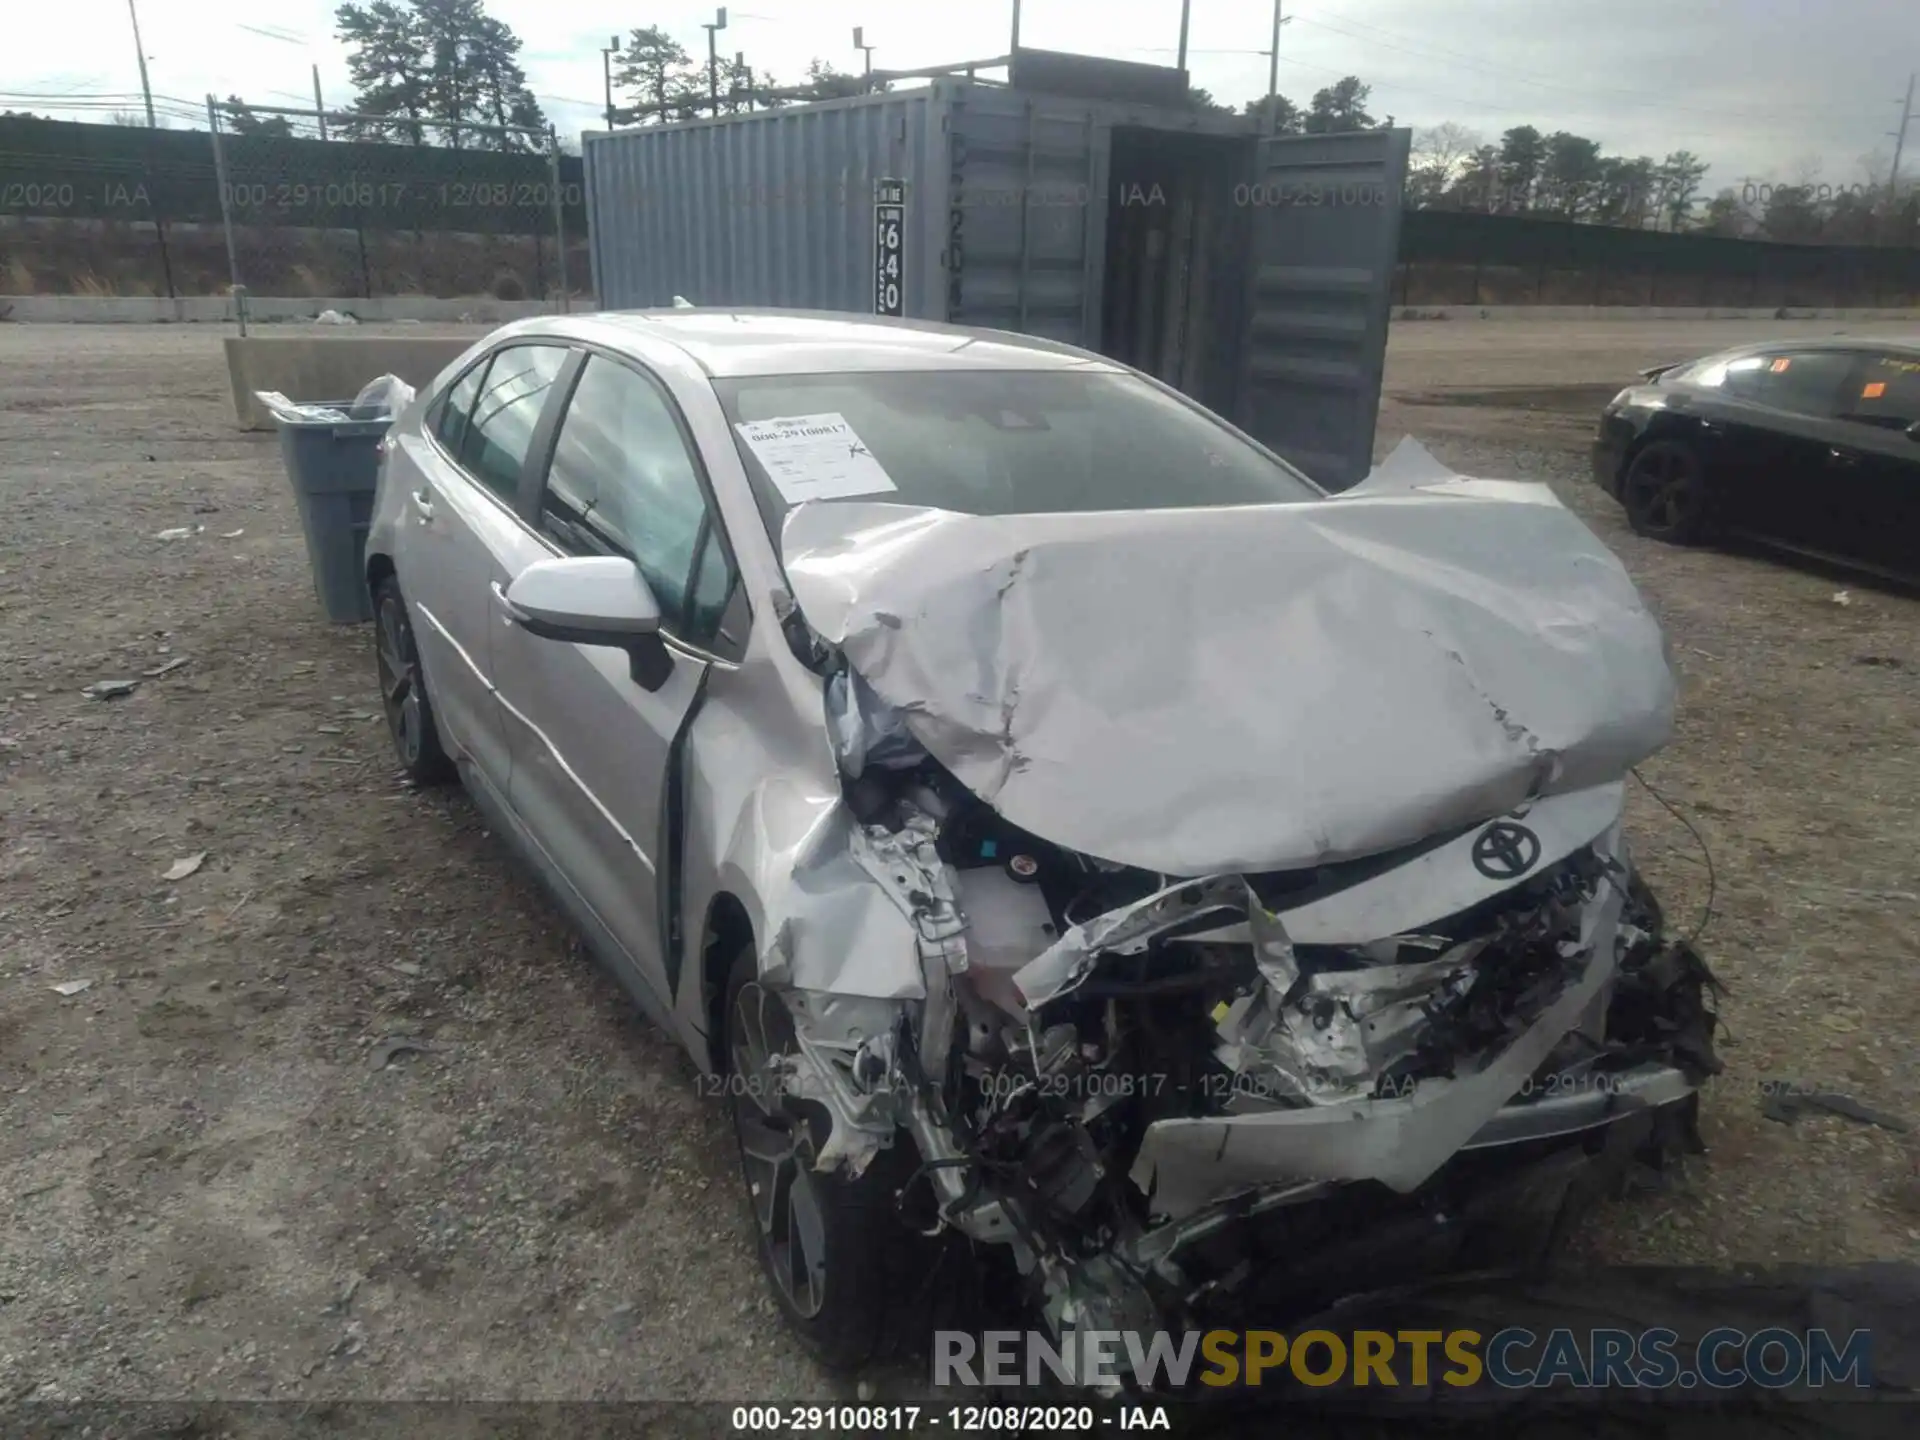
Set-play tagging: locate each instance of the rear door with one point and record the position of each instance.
(1779, 461)
(591, 747)
(466, 473)
(1880, 405)
(1325, 237)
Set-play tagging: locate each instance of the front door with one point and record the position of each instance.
(1777, 463)
(464, 468)
(1326, 231)
(591, 746)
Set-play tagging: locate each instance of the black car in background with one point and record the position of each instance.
(1812, 444)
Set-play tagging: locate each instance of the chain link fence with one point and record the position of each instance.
(330, 206)
(329, 203)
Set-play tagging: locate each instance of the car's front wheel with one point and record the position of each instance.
(1665, 493)
(849, 1275)
(403, 690)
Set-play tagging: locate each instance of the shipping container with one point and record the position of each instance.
(1252, 273)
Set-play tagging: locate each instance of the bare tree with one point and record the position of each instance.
(1440, 153)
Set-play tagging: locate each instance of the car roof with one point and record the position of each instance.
(738, 342)
(1909, 344)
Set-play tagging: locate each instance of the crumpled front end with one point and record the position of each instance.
(1164, 1090)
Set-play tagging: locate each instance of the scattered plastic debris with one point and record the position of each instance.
(232, 534)
(334, 317)
(1843, 597)
(110, 689)
(284, 409)
(167, 669)
(393, 1045)
(1787, 1100)
(185, 866)
(388, 395)
(70, 988)
(180, 532)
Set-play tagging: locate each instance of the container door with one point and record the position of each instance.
(1325, 232)
(1026, 214)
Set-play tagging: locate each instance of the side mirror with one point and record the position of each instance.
(592, 600)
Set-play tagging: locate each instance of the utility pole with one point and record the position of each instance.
(607, 52)
(741, 68)
(1186, 13)
(319, 105)
(1273, 74)
(1899, 144)
(140, 49)
(1014, 45)
(713, 56)
(859, 43)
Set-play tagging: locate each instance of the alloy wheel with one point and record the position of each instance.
(776, 1151)
(399, 679)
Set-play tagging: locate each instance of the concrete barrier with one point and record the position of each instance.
(331, 366)
(1553, 313)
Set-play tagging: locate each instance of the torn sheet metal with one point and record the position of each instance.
(1184, 1165)
(1249, 688)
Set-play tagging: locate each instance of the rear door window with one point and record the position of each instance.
(505, 412)
(1800, 382)
(450, 421)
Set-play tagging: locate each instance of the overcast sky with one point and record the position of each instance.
(1780, 89)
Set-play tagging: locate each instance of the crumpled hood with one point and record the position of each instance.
(1247, 689)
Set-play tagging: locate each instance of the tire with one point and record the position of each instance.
(1665, 493)
(403, 691)
(852, 1280)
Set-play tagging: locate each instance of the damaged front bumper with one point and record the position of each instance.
(1140, 1103)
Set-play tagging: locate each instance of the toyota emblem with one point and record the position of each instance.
(1505, 851)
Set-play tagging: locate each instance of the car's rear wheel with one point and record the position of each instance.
(1665, 493)
(848, 1274)
(403, 690)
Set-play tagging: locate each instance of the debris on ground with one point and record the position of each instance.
(70, 988)
(168, 668)
(110, 689)
(395, 1045)
(179, 532)
(1884, 662)
(1787, 1100)
(232, 534)
(1842, 597)
(185, 866)
(334, 317)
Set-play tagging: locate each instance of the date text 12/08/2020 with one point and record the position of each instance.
(285, 195)
(957, 1419)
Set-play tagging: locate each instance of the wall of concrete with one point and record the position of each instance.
(333, 365)
(266, 309)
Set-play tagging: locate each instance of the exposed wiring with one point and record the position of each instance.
(1706, 913)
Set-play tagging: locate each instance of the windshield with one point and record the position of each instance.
(1001, 442)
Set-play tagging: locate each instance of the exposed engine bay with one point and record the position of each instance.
(1271, 1000)
(1112, 1066)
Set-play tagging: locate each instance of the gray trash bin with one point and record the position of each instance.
(334, 466)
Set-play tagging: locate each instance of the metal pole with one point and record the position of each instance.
(606, 71)
(319, 105)
(1899, 144)
(140, 51)
(1186, 9)
(226, 214)
(1273, 75)
(559, 219)
(1014, 46)
(713, 56)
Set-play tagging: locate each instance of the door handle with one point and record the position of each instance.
(509, 612)
(1837, 456)
(423, 502)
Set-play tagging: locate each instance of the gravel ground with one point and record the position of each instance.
(212, 1186)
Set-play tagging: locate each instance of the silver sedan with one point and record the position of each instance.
(1076, 838)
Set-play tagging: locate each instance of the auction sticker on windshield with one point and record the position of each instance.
(815, 457)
